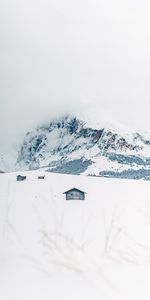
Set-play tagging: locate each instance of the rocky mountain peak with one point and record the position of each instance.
(69, 145)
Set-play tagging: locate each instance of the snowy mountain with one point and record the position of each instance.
(97, 248)
(74, 146)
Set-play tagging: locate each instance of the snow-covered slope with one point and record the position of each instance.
(51, 248)
(71, 145)
(86, 146)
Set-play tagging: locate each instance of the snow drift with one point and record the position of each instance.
(53, 248)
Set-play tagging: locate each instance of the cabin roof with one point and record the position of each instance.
(74, 189)
(20, 177)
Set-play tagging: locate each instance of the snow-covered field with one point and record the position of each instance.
(55, 249)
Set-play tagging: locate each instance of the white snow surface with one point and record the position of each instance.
(55, 249)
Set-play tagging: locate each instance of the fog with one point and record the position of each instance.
(62, 55)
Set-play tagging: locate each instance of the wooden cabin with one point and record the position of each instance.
(21, 178)
(41, 177)
(75, 194)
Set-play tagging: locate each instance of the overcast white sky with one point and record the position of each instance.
(62, 54)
